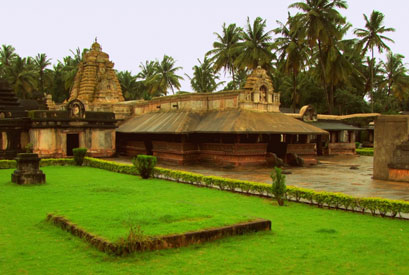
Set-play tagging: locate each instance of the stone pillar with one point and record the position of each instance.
(389, 132)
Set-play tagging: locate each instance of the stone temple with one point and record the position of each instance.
(96, 82)
(240, 127)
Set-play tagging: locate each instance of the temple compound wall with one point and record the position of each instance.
(391, 148)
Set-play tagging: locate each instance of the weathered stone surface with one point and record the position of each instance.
(28, 170)
(96, 82)
(390, 131)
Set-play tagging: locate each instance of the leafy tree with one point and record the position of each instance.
(293, 54)
(204, 78)
(7, 55)
(238, 81)
(147, 70)
(41, 62)
(255, 47)
(396, 80)
(131, 88)
(372, 36)
(164, 77)
(222, 54)
(320, 21)
(21, 75)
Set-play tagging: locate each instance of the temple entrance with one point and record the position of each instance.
(73, 141)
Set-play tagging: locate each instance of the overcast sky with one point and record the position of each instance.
(134, 31)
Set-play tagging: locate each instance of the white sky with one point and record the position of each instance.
(134, 31)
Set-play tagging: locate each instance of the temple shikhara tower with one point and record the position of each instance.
(96, 82)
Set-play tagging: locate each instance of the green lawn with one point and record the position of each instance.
(304, 239)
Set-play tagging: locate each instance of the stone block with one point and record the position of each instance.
(28, 170)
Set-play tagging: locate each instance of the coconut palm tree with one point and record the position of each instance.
(292, 53)
(372, 37)
(320, 20)
(396, 79)
(255, 47)
(147, 69)
(41, 63)
(204, 78)
(7, 55)
(131, 88)
(222, 55)
(22, 76)
(164, 77)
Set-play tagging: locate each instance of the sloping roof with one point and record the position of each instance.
(334, 126)
(227, 121)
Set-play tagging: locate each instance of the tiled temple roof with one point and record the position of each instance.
(236, 121)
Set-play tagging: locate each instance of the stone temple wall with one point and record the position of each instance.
(390, 131)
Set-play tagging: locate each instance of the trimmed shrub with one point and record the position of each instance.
(57, 162)
(7, 164)
(145, 164)
(278, 187)
(365, 151)
(79, 154)
(122, 168)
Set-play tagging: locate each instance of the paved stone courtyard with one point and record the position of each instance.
(332, 174)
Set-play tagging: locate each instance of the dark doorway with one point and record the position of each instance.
(73, 141)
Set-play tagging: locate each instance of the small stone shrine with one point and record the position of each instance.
(56, 133)
(14, 123)
(28, 170)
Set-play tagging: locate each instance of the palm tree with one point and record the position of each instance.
(41, 62)
(373, 37)
(293, 53)
(396, 79)
(255, 48)
(147, 69)
(165, 77)
(70, 66)
(320, 19)
(204, 78)
(22, 76)
(222, 54)
(129, 85)
(7, 55)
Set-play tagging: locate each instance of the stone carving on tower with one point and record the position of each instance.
(259, 87)
(96, 82)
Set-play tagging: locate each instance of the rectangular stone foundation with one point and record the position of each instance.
(341, 148)
(306, 151)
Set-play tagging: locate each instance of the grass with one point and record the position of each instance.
(304, 239)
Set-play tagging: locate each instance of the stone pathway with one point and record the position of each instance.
(332, 174)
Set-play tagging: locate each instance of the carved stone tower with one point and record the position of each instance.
(96, 82)
(259, 91)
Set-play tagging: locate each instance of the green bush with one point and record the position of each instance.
(57, 162)
(278, 187)
(145, 164)
(7, 164)
(365, 151)
(122, 168)
(79, 154)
